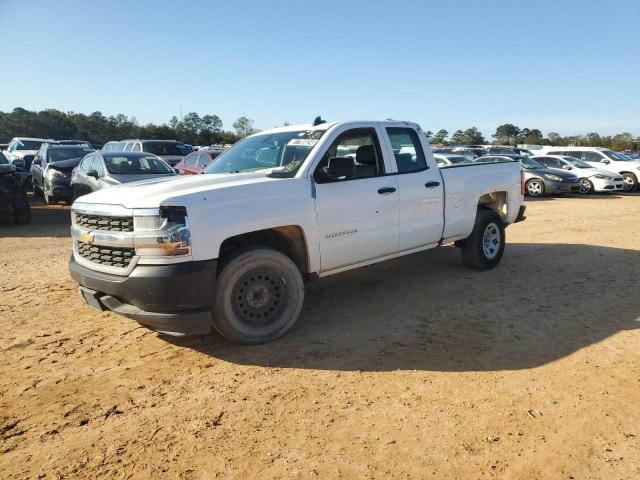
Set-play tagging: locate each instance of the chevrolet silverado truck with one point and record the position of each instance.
(231, 249)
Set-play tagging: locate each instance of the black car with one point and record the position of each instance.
(13, 192)
(51, 170)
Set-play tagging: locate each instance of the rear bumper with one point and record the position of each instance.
(175, 299)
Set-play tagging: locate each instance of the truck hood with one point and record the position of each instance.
(162, 191)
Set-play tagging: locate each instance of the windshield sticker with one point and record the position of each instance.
(303, 142)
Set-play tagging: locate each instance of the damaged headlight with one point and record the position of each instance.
(166, 234)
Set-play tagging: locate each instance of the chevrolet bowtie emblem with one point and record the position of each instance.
(86, 237)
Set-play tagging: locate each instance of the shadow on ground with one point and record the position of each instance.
(427, 312)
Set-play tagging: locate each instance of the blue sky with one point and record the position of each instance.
(565, 66)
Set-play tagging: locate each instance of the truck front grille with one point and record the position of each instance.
(108, 256)
(104, 222)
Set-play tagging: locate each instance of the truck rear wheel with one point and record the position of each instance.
(483, 249)
(259, 295)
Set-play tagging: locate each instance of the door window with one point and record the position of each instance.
(361, 145)
(203, 160)
(97, 165)
(86, 162)
(593, 156)
(407, 149)
(136, 148)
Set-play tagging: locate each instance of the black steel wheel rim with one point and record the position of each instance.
(259, 298)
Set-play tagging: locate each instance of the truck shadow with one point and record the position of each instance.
(427, 312)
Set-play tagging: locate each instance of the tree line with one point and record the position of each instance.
(99, 129)
(209, 129)
(508, 134)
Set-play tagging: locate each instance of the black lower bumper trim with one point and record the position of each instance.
(155, 288)
(175, 299)
(521, 217)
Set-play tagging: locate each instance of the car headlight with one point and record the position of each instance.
(602, 177)
(52, 172)
(551, 176)
(166, 234)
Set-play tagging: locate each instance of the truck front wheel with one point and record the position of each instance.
(483, 249)
(259, 295)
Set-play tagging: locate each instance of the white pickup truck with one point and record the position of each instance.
(231, 249)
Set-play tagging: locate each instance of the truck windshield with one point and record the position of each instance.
(280, 154)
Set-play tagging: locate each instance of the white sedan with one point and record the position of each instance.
(591, 179)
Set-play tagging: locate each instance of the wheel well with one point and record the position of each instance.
(288, 239)
(496, 201)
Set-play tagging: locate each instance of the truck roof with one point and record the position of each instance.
(327, 125)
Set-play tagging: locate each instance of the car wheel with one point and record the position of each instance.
(36, 191)
(258, 296)
(483, 249)
(630, 182)
(585, 186)
(535, 187)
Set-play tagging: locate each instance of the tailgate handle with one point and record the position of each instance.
(432, 184)
(386, 190)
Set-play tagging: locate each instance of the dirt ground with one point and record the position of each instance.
(415, 368)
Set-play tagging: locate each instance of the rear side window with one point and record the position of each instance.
(97, 165)
(86, 162)
(136, 148)
(407, 149)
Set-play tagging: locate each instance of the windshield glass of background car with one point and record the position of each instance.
(129, 165)
(59, 154)
(282, 153)
(530, 163)
(620, 157)
(577, 163)
(29, 145)
(165, 148)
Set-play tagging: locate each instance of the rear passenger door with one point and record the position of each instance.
(357, 215)
(421, 216)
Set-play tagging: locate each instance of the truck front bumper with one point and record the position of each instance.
(175, 299)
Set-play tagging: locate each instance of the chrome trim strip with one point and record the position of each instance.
(102, 237)
(113, 210)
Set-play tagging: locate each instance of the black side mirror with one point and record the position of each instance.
(176, 170)
(37, 161)
(605, 161)
(567, 167)
(339, 167)
(92, 173)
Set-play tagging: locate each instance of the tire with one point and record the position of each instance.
(483, 249)
(535, 187)
(630, 182)
(258, 297)
(585, 187)
(36, 191)
(74, 193)
(22, 214)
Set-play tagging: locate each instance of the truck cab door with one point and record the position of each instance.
(420, 188)
(357, 214)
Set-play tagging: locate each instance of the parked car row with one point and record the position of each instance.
(557, 169)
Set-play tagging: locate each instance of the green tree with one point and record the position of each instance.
(506, 134)
(243, 126)
(472, 136)
(457, 138)
(440, 138)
